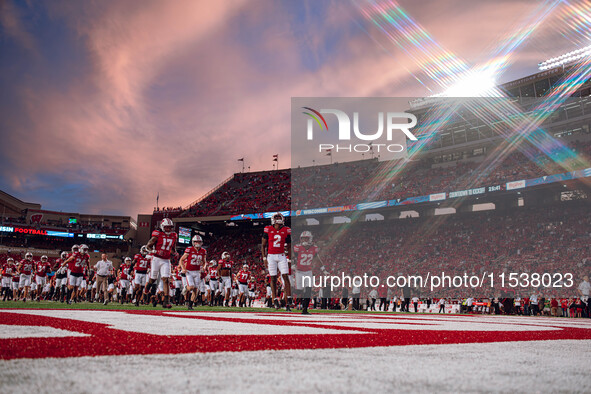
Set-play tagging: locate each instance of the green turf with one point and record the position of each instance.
(117, 306)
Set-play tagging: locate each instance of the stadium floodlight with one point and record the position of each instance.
(565, 59)
(474, 84)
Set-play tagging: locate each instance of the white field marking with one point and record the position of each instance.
(521, 367)
(410, 322)
(171, 325)
(8, 331)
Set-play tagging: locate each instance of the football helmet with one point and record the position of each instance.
(64, 255)
(245, 267)
(44, 258)
(277, 218)
(29, 256)
(197, 241)
(144, 250)
(225, 256)
(10, 260)
(213, 263)
(167, 225)
(83, 248)
(306, 238)
(75, 248)
(127, 260)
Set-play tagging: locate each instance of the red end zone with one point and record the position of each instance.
(41, 333)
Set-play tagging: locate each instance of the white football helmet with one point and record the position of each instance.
(64, 255)
(75, 248)
(277, 218)
(245, 267)
(83, 248)
(225, 256)
(10, 260)
(167, 225)
(213, 263)
(44, 258)
(127, 260)
(29, 256)
(197, 241)
(306, 238)
(144, 250)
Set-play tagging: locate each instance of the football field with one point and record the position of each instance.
(46, 349)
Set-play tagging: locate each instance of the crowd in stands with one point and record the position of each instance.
(371, 180)
(247, 192)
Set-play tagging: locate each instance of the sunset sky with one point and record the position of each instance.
(104, 104)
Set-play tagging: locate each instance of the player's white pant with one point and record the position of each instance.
(6, 281)
(25, 281)
(269, 292)
(226, 283)
(202, 286)
(33, 286)
(159, 267)
(94, 285)
(178, 284)
(251, 294)
(124, 283)
(234, 292)
(110, 287)
(140, 279)
(15, 285)
(277, 261)
(83, 284)
(243, 288)
(40, 280)
(214, 285)
(61, 282)
(184, 280)
(194, 279)
(300, 283)
(75, 280)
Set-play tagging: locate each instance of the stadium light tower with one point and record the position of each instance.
(565, 59)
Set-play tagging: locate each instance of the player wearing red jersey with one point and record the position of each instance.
(25, 268)
(305, 254)
(225, 274)
(242, 278)
(8, 271)
(276, 238)
(141, 264)
(41, 270)
(191, 262)
(214, 283)
(162, 245)
(76, 264)
(61, 277)
(251, 291)
(124, 276)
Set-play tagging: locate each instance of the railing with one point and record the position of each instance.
(209, 193)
